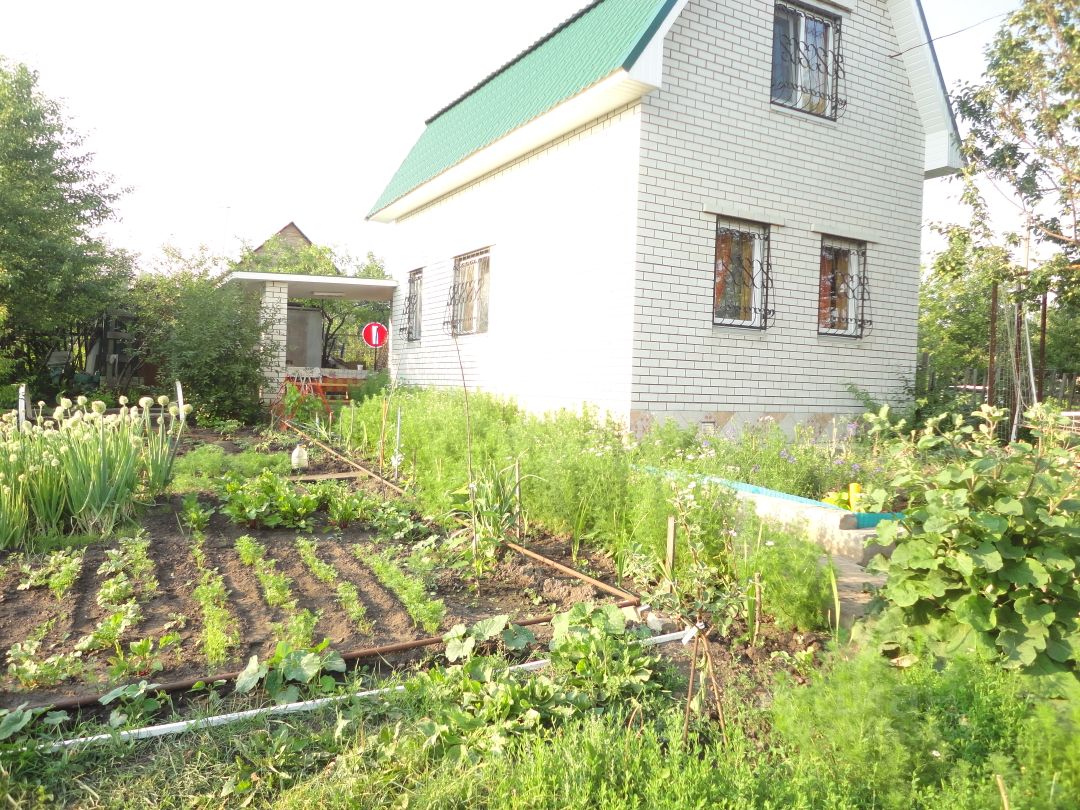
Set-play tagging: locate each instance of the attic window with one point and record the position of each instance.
(806, 61)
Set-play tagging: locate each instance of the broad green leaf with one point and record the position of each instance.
(1036, 615)
(489, 628)
(1026, 572)
(250, 675)
(302, 667)
(457, 631)
(1054, 559)
(993, 524)
(962, 563)
(516, 637)
(901, 592)
(458, 648)
(987, 557)
(975, 611)
(1019, 648)
(1009, 506)
(13, 721)
(333, 662)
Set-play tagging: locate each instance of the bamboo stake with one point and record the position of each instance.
(757, 609)
(1001, 790)
(721, 716)
(669, 558)
(690, 690)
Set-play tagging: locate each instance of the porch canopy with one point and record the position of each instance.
(346, 288)
(296, 342)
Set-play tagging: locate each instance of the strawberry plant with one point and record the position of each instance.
(988, 558)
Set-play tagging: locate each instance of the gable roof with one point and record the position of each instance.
(601, 38)
(290, 234)
(605, 38)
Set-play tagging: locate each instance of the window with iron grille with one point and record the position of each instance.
(413, 309)
(807, 65)
(467, 304)
(843, 295)
(742, 275)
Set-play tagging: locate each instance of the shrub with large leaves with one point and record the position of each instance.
(989, 557)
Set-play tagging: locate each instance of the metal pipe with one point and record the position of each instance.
(611, 589)
(340, 457)
(167, 729)
(82, 701)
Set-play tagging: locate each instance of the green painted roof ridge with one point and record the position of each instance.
(507, 65)
(603, 37)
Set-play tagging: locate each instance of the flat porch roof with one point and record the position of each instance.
(346, 288)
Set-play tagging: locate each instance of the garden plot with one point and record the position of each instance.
(189, 593)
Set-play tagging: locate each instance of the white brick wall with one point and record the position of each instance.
(560, 223)
(275, 303)
(711, 134)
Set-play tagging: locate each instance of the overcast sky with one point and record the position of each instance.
(226, 120)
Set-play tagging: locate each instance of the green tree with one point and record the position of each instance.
(954, 303)
(55, 275)
(342, 320)
(1024, 130)
(206, 334)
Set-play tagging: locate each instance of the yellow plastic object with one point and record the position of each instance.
(854, 490)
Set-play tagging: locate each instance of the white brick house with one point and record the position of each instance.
(706, 210)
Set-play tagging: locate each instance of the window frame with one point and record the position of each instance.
(856, 289)
(412, 313)
(760, 280)
(468, 299)
(822, 100)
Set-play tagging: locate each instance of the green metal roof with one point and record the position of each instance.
(601, 38)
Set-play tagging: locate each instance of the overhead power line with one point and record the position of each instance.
(950, 34)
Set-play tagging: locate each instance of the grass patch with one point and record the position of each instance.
(203, 468)
(425, 612)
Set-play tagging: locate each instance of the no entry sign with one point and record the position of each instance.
(375, 335)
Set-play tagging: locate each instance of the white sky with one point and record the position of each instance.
(227, 119)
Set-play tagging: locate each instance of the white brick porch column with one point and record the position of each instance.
(275, 301)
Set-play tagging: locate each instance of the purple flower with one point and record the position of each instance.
(854, 467)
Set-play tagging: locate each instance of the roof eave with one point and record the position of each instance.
(617, 90)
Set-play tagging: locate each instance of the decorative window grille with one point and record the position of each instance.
(843, 293)
(807, 64)
(412, 311)
(742, 275)
(467, 304)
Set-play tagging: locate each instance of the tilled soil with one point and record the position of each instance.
(518, 587)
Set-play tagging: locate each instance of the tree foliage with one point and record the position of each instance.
(342, 320)
(55, 274)
(204, 333)
(1024, 130)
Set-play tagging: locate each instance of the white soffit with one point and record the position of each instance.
(622, 87)
(343, 288)
(924, 74)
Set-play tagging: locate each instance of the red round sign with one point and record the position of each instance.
(375, 335)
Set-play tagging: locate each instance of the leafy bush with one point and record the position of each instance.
(267, 500)
(206, 334)
(988, 561)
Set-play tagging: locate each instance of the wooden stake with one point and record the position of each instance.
(517, 495)
(716, 692)
(1001, 790)
(690, 690)
(992, 371)
(669, 557)
(757, 609)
